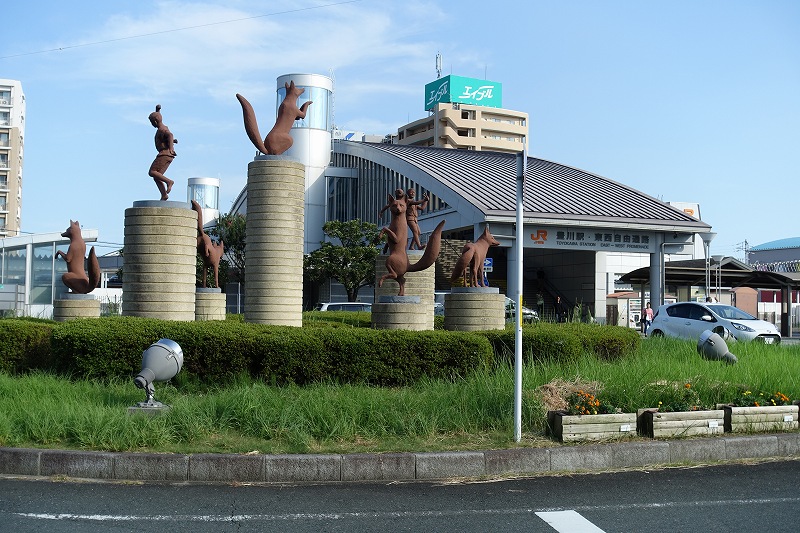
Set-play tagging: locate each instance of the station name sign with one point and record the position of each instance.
(598, 240)
(457, 89)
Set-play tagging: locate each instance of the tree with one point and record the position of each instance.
(230, 229)
(351, 262)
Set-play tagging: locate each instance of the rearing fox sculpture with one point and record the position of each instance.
(75, 277)
(210, 252)
(278, 139)
(397, 263)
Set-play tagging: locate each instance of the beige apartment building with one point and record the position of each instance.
(468, 127)
(466, 114)
(12, 134)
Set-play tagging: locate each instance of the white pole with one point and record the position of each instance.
(522, 164)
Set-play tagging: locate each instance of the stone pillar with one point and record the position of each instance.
(474, 309)
(159, 272)
(209, 304)
(72, 305)
(399, 312)
(273, 285)
(419, 284)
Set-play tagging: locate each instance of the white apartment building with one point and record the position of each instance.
(12, 134)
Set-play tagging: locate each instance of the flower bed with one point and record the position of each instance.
(762, 418)
(579, 428)
(654, 423)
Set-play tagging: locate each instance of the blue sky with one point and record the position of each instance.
(685, 100)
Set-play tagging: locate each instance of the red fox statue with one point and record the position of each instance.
(472, 255)
(278, 139)
(75, 277)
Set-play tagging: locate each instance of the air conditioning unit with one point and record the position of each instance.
(4, 102)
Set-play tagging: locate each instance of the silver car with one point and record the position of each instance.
(691, 319)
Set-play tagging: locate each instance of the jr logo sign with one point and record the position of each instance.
(540, 237)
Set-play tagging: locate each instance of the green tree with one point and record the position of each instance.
(351, 262)
(231, 229)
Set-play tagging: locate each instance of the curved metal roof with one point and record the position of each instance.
(553, 193)
(791, 242)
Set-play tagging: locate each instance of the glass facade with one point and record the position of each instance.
(205, 195)
(318, 114)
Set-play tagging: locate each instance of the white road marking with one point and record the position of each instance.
(568, 522)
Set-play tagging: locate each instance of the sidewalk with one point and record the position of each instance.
(557, 458)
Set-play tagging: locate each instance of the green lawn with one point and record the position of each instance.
(42, 410)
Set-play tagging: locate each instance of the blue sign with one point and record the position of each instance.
(488, 264)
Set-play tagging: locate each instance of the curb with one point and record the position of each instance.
(291, 468)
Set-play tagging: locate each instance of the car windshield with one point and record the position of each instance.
(731, 313)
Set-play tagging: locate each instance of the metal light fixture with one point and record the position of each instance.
(712, 346)
(707, 238)
(160, 362)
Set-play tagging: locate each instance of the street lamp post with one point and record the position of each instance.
(707, 238)
(718, 272)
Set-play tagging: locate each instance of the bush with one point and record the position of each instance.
(219, 351)
(25, 345)
(544, 341)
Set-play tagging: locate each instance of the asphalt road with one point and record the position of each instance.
(733, 497)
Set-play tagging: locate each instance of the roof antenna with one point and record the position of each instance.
(438, 65)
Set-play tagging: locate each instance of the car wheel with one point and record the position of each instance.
(657, 333)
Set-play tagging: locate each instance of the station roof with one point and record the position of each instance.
(553, 193)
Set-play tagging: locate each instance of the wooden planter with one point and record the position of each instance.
(769, 418)
(577, 428)
(654, 424)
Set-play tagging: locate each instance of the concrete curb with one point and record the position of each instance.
(229, 468)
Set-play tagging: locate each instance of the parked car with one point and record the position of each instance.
(528, 315)
(344, 306)
(691, 319)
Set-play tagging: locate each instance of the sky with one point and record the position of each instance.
(684, 100)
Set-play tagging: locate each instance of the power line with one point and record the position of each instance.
(62, 48)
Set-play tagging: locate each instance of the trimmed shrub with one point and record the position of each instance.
(25, 345)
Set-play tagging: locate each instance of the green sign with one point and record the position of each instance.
(456, 89)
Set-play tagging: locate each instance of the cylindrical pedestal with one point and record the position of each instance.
(209, 304)
(71, 306)
(159, 273)
(399, 312)
(420, 284)
(273, 284)
(474, 309)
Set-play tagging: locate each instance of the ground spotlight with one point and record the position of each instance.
(712, 346)
(160, 362)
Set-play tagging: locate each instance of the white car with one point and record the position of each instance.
(691, 319)
(344, 306)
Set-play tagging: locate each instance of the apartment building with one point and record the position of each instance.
(466, 114)
(12, 134)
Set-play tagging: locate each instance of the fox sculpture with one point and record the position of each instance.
(473, 255)
(278, 139)
(397, 263)
(76, 278)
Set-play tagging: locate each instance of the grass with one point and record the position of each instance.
(41, 410)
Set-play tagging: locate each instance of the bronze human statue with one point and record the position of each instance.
(411, 217)
(75, 277)
(397, 263)
(472, 256)
(210, 252)
(278, 139)
(166, 153)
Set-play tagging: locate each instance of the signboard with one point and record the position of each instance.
(594, 239)
(457, 89)
(488, 264)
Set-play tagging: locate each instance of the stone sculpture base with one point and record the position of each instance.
(160, 260)
(273, 284)
(209, 304)
(400, 312)
(474, 309)
(420, 284)
(71, 306)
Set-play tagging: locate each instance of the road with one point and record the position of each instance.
(733, 497)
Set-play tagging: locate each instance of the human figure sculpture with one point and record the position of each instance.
(210, 252)
(278, 139)
(473, 255)
(399, 194)
(397, 263)
(166, 153)
(75, 277)
(411, 217)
